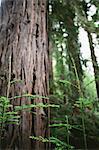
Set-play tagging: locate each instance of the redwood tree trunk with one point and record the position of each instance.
(24, 59)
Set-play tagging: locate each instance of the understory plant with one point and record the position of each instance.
(56, 142)
(7, 116)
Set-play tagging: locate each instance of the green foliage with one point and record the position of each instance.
(6, 115)
(84, 103)
(39, 105)
(89, 85)
(59, 145)
(29, 96)
(40, 138)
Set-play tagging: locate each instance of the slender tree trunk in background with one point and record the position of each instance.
(93, 56)
(60, 69)
(51, 84)
(94, 62)
(73, 52)
(24, 55)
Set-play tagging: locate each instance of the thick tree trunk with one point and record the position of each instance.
(24, 59)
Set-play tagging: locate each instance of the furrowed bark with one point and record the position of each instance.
(23, 37)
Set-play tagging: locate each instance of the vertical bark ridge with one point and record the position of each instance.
(24, 35)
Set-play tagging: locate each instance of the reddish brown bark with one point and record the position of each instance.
(23, 39)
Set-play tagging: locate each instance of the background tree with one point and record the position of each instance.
(73, 51)
(90, 28)
(64, 33)
(93, 56)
